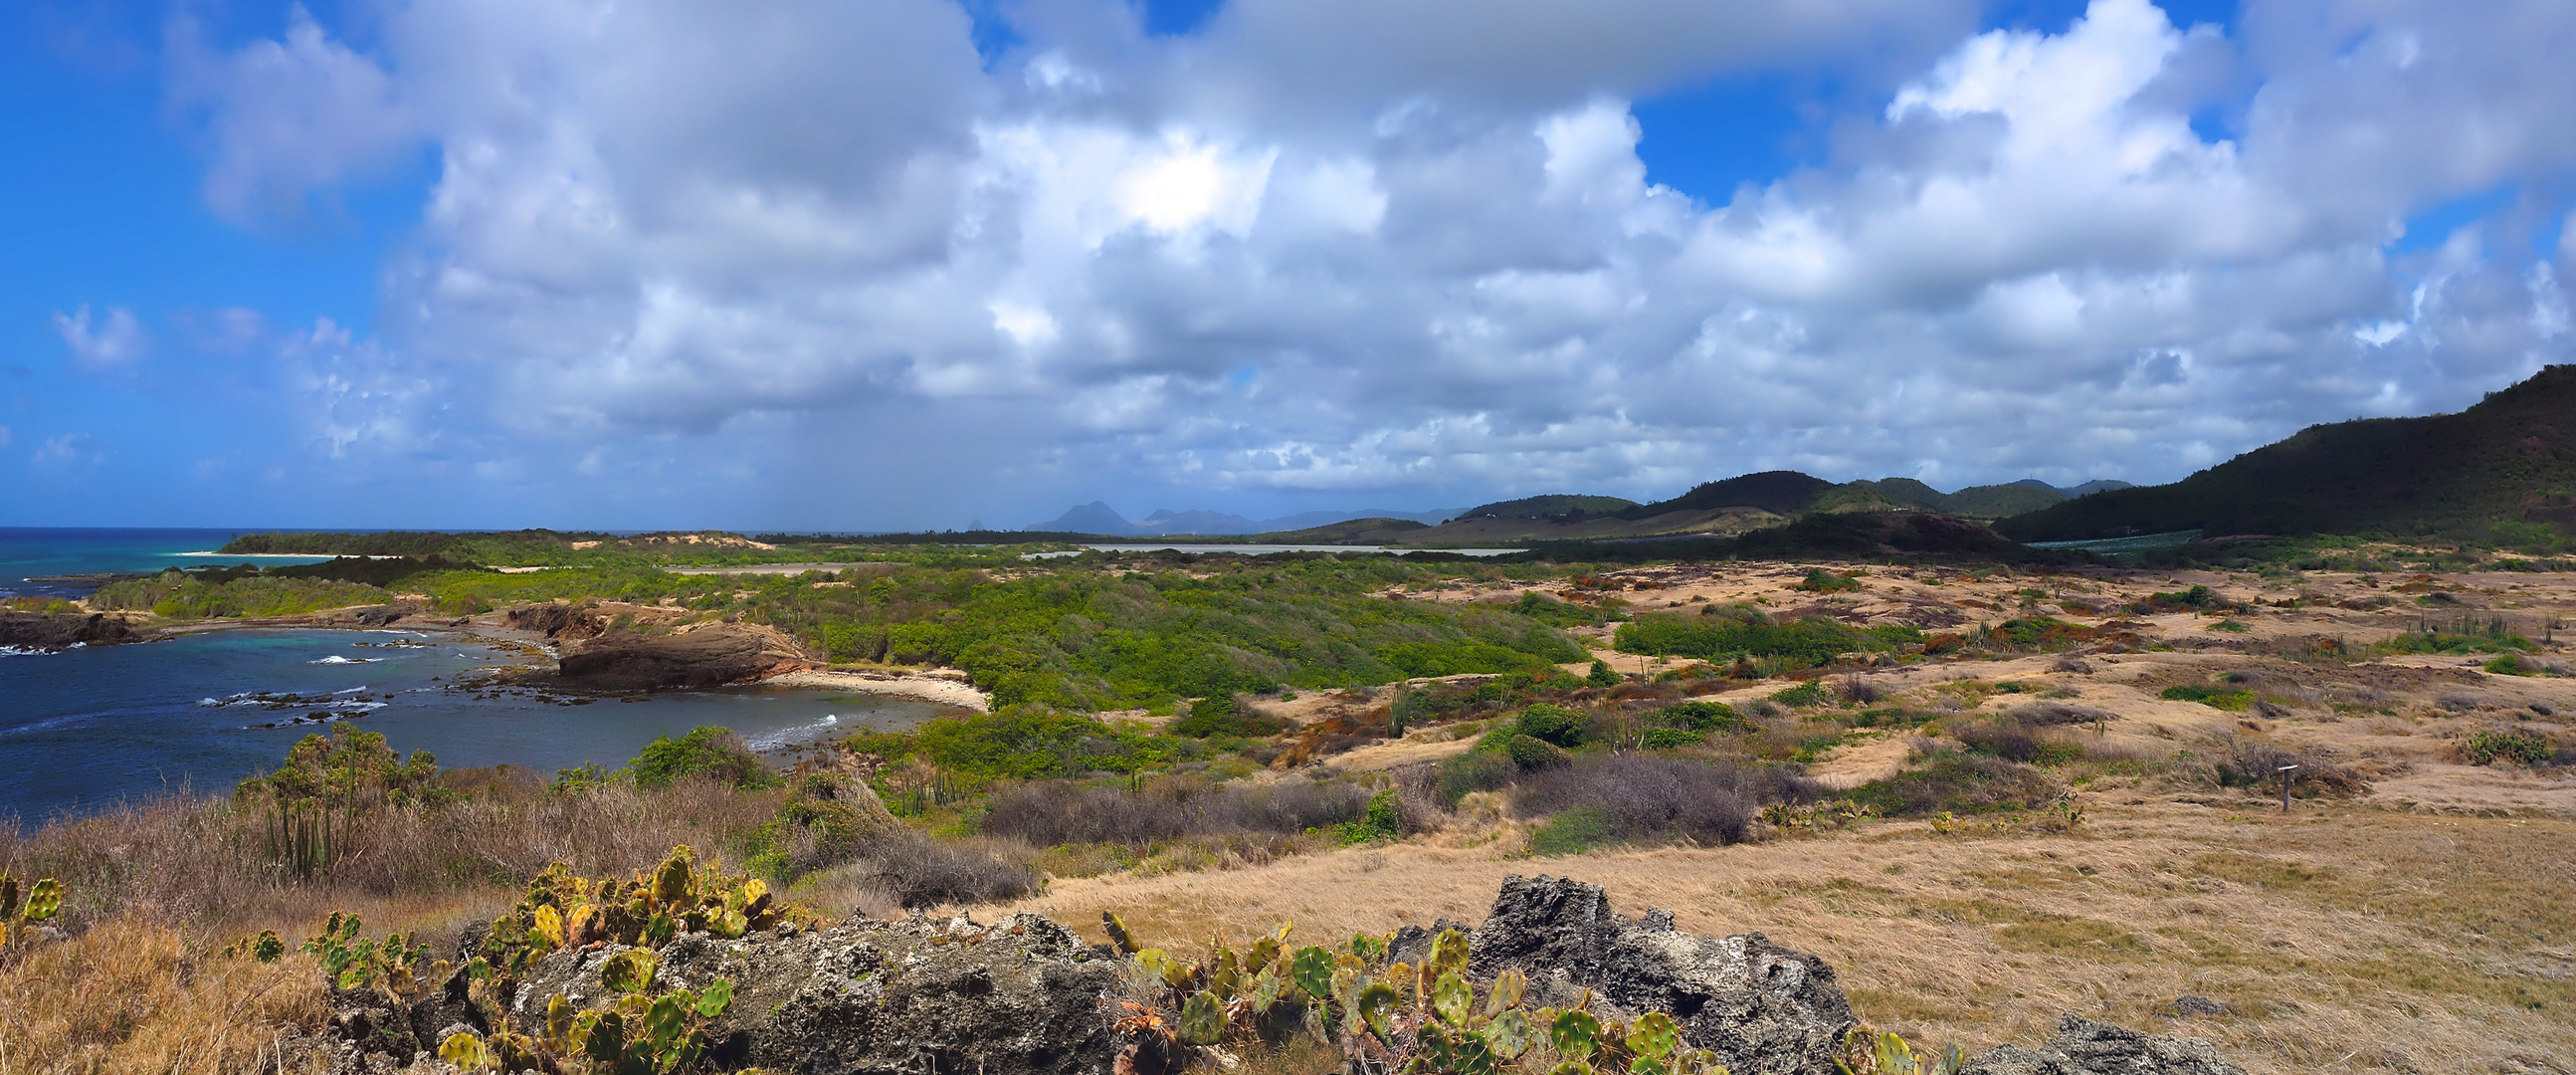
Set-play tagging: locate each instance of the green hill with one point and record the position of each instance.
(1785, 492)
(1556, 507)
(2510, 458)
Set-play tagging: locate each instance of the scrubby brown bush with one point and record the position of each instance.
(1646, 797)
(1050, 812)
(1958, 783)
(2256, 764)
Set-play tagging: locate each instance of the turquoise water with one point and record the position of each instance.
(29, 554)
(86, 727)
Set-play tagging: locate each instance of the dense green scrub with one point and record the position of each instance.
(1082, 636)
(1814, 640)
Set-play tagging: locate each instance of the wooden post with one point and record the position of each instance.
(2285, 787)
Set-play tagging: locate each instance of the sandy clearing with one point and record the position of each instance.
(925, 686)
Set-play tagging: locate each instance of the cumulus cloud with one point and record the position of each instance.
(106, 343)
(1327, 247)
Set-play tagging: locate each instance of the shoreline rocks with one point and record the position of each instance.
(710, 656)
(52, 632)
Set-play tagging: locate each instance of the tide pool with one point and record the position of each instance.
(86, 727)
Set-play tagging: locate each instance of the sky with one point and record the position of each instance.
(920, 264)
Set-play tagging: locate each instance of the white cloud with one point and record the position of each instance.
(69, 449)
(115, 340)
(1343, 246)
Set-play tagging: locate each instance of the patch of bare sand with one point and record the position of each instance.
(926, 686)
(2349, 938)
(1876, 756)
(1429, 746)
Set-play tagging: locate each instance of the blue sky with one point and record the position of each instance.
(907, 263)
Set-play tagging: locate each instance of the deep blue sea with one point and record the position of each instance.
(84, 728)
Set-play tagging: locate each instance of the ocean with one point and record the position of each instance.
(86, 728)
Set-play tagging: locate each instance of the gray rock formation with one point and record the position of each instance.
(2084, 1047)
(1018, 996)
(1024, 996)
(1763, 1009)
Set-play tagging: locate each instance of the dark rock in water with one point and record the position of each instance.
(2084, 1047)
(710, 656)
(1763, 1009)
(44, 631)
(1021, 996)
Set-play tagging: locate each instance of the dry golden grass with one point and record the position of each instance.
(2368, 939)
(132, 995)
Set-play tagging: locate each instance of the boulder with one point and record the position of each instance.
(709, 656)
(1021, 996)
(2084, 1047)
(1763, 1009)
(56, 631)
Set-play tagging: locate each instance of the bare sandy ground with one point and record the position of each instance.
(946, 689)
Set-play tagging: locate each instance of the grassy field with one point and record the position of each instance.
(2343, 937)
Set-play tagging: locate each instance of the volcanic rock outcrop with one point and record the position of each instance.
(1025, 996)
(42, 631)
(711, 655)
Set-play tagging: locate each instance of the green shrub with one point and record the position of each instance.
(1704, 717)
(1550, 611)
(1819, 580)
(2213, 697)
(1553, 724)
(710, 750)
(1814, 640)
(1531, 752)
(2510, 665)
(1384, 821)
(1461, 775)
(2487, 748)
(2230, 626)
(1672, 738)
(1222, 715)
(1602, 676)
(1028, 743)
(1811, 692)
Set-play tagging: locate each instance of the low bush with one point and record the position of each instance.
(1461, 775)
(1222, 715)
(1554, 725)
(2213, 697)
(1532, 752)
(1811, 692)
(2049, 714)
(2255, 765)
(2488, 748)
(1640, 797)
(1704, 717)
(1960, 784)
(711, 751)
(1819, 580)
(1051, 812)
